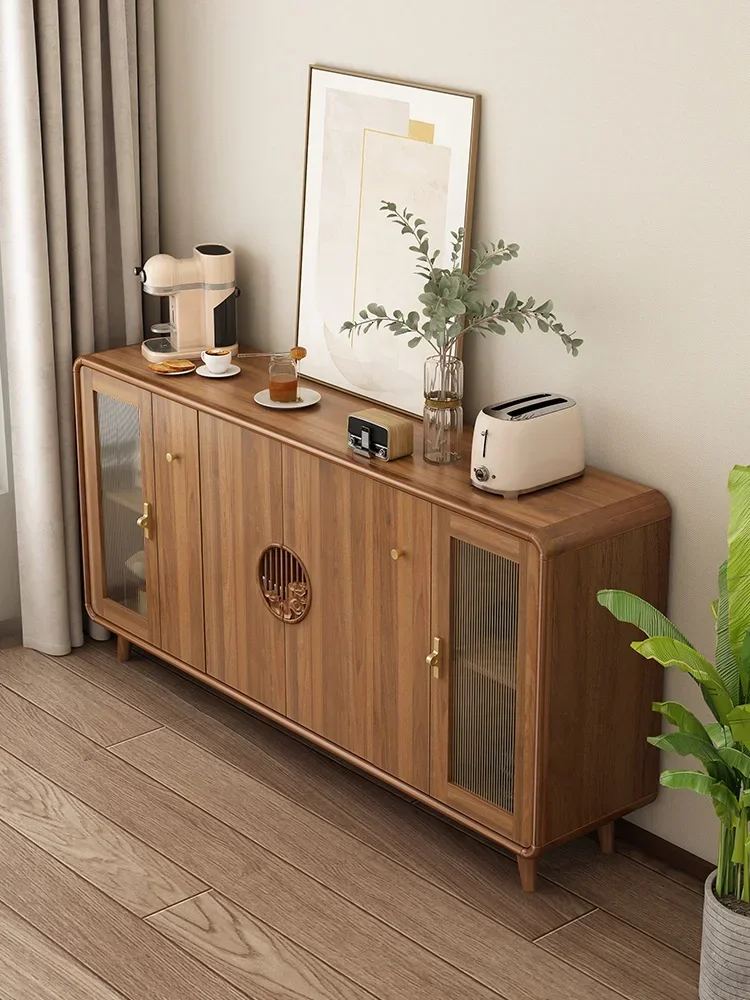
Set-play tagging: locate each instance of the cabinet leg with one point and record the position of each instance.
(527, 871)
(607, 838)
(123, 649)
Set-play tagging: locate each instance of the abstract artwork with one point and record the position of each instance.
(370, 140)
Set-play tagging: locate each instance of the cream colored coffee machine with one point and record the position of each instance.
(202, 302)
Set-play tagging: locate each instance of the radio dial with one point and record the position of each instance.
(482, 474)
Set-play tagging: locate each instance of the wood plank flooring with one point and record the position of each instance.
(160, 843)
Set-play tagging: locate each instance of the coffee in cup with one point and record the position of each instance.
(217, 359)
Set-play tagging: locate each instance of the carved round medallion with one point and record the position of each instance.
(284, 584)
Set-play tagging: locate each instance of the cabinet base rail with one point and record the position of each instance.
(526, 855)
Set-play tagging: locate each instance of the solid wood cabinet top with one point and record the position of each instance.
(594, 506)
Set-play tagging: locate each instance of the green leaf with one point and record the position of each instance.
(744, 666)
(455, 307)
(720, 735)
(738, 720)
(511, 301)
(627, 607)
(738, 562)
(348, 325)
(672, 653)
(363, 313)
(737, 759)
(687, 745)
(679, 716)
(696, 781)
(725, 801)
(542, 325)
(414, 341)
(412, 320)
(726, 663)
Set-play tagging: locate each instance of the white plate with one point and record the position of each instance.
(305, 397)
(231, 370)
(185, 371)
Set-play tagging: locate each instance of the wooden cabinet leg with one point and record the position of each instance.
(527, 871)
(123, 649)
(607, 838)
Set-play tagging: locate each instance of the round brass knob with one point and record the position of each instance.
(395, 554)
(170, 456)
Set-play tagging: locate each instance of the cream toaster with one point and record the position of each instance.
(527, 443)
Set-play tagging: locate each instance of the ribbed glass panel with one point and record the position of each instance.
(483, 665)
(122, 502)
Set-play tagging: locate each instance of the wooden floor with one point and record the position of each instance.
(158, 842)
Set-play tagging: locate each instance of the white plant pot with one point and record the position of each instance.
(725, 952)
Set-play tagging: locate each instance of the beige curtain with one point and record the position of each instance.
(78, 210)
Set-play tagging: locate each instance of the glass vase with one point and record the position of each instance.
(443, 409)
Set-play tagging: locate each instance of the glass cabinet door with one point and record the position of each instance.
(482, 733)
(117, 461)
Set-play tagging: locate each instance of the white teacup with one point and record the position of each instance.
(217, 359)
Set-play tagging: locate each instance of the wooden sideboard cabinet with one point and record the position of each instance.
(442, 639)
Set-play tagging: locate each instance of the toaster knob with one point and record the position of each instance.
(482, 474)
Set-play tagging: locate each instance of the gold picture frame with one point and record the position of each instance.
(343, 141)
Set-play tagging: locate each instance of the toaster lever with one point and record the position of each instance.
(484, 443)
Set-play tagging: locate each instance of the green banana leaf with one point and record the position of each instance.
(627, 607)
(695, 781)
(738, 563)
(673, 653)
(725, 801)
(687, 745)
(738, 721)
(744, 666)
(679, 716)
(720, 735)
(736, 759)
(726, 662)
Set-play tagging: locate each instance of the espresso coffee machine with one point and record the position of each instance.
(202, 302)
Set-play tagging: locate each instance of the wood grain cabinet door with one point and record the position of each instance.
(241, 515)
(485, 603)
(117, 479)
(356, 671)
(178, 523)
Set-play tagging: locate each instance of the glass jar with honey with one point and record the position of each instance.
(282, 379)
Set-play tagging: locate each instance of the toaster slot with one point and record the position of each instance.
(499, 407)
(538, 406)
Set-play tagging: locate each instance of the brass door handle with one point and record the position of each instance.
(144, 521)
(396, 554)
(171, 457)
(433, 658)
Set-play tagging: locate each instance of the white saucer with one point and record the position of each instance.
(305, 397)
(231, 370)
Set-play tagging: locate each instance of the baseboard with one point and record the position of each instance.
(659, 848)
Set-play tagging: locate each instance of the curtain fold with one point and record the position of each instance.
(77, 125)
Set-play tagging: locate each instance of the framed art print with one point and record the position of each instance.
(371, 140)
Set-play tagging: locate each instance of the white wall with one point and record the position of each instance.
(614, 147)
(10, 601)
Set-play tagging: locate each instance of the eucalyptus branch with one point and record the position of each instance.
(451, 305)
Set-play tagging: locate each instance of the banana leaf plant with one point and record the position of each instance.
(723, 746)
